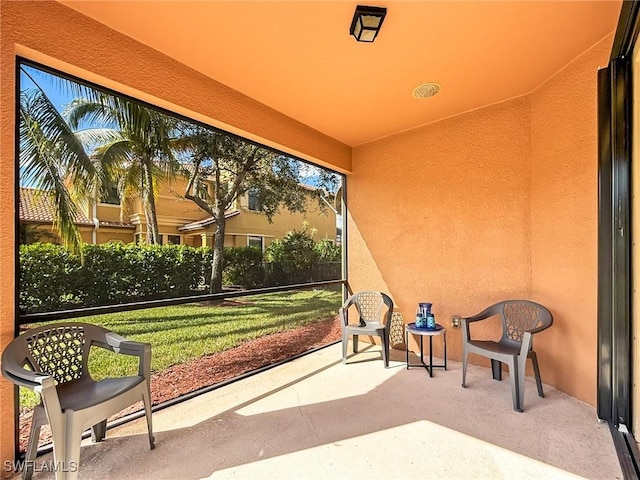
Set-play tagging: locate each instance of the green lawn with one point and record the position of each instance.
(184, 332)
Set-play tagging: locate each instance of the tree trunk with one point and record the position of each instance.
(218, 252)
(149, 203)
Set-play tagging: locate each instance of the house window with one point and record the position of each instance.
(255, 242)
(140, 238)
(111, 196)
(254, 201)
(173, 240)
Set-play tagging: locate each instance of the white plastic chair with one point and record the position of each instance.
(370, 321)
(56, 357)
(521, 319)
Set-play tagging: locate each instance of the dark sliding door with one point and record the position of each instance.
(614, 245)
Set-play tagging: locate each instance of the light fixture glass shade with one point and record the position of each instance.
(366, 23)
(371, 21)
(357, 30)
(367, 36)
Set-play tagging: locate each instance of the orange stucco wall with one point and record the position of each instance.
(57, 36)
(7, 243)
(495, 204)
(441, 214)
(564, 221)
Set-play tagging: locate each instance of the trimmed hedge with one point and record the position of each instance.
(52, 279)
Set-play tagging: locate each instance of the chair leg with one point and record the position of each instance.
(38, 419)
(146, 399)
(355, 344)
(465, 358)
(71, 464)
(521, 362)
(345, 343)
(59, 439)
(515, 385)
(385, 351)
(99, 431)
(496, 369)
(536, 372)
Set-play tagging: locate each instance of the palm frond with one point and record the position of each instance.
(50, 156)
(88, 111)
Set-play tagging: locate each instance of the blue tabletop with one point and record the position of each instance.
(412, 326)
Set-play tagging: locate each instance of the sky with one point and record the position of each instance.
(54, 87)
(48, 83)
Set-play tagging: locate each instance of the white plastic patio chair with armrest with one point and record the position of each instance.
(369, 306)
(56, 358)
(521, 319)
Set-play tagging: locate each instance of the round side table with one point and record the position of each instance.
(424, 332)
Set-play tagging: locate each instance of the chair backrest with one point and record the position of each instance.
(519, 316)
(58, 350)
(369, 305)
(396, 329)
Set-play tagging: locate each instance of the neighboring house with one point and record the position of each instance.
(37, 216)
(180, 221)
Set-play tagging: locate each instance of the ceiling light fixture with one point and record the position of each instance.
(426, 90)
(366, 23)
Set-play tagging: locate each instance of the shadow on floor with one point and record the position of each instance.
(317, 418)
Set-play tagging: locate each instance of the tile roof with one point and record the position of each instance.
(36, 206)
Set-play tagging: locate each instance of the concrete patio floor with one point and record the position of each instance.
(315, 418)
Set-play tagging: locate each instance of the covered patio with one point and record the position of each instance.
(486, 192)
(317, 418)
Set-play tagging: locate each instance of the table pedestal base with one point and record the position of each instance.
(430, 333)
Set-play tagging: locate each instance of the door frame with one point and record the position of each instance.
(615, 275)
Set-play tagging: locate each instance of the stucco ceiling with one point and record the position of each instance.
(298, 57)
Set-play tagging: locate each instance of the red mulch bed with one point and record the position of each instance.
(211, 369)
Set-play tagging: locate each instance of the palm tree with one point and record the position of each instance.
(135, 148)
(52, 156)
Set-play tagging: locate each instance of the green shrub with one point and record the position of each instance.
(53, 279)
(296, 251)
(327, 251)
(292, 259)
(48, 278)
(243, 266)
